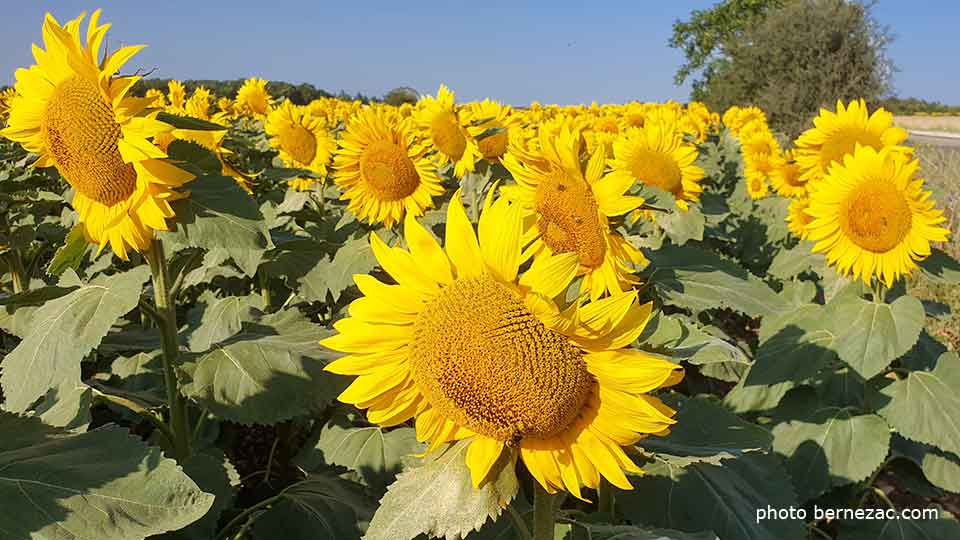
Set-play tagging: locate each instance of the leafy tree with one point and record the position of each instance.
(798, 57)
(400, 95)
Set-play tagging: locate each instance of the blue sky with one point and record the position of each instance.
(557, 52)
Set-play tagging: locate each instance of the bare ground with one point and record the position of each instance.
(929, 123)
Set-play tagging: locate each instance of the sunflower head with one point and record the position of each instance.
(73, 112)
(176, 95)
(5, 96)
(785, 177)
(490, 124)
(253, 99)
(871, 216)
(301, 139)
(837, 134)
(657, 155)
(439, 121)
(472, 350)
(382, 170)
(797, 217)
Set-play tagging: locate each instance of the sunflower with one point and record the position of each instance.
(439, 122)
(657, 155)
(253, 99)
(757, 186)
(797, 217)
(77, 117)
(302, 141)
(871, 216)
(568, 208)
(156, 98)
(490, 123)
(737, 118)
(785, 177)
(5, 96)
(836, 134)
(382, 170)
(472, 352)
(177, 95)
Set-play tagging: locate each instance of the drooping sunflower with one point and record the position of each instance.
(785, 177)
(797, 217)
(383, 171)
(568, 208)
(487, 116)
(439, 121)
(75, 114)
(302, 141)
(657, 155)
(253, 99)
(872, 217)
(836, 134)
(472, 352)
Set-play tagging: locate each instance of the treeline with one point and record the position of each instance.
(905, 106)
(300, 94)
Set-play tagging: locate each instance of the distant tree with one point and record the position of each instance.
(798, 57)
(703, 37)
(400, 95)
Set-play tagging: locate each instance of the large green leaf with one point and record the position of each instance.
(215, 319)
(706, 431)
(724, 498)
(899, 529)
(793, 348)
(832, 448)
(374, 453)
(188, 122)
(335, 275)
(62, 332)
(925, 407)
(438, 498)
(103, 484)
(942, 469)
(214, 473)
(696, 279)
(71, 253)
(790, 262)
(682, 339)
(271, 371)
(594, 531)
(870, 335)
(941, 268)
(322, 507)
(219, 216)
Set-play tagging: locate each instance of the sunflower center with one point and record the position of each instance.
(485, 361)
(567, 218)
(876, 216)
(299, 142)
(657, 169)
(388, 171)
(495, 145)
(82, 133)
(446, 134)
(844, 142)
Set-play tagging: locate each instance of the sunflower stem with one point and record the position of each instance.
(543, 518)
(17, 273)
(878, 292)
(167, 323)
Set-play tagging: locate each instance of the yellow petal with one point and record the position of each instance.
(481, 456)
(461, 242)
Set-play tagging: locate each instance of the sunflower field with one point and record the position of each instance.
(233, 317)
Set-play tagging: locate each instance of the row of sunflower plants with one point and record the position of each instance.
(231, 317)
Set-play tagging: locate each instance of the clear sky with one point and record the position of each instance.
(554, 51)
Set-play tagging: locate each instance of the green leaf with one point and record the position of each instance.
(140, 373)
(336, 275)
(71, 253)
(194, 157)
(706, 431)
(696, 279)
(220, 217)
(899, 529)
(319, 508)
(271, 371)
(62, 332)
(793, 348)
(925, 407)
(682, 339)
(438, 498)
(216, 319)
(941, 268)
(724, 498)
(682, 226)
(791, 262)
(594, 531)
(213, 473)
(188, 122)
(799, 293)
(832, 448)
(377, 455)
(870, 335)
(103, 484)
